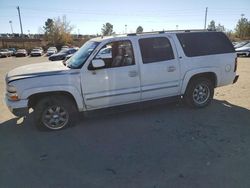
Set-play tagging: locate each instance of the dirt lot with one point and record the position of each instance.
(161, 146)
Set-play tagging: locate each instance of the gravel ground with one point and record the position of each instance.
(167, 145)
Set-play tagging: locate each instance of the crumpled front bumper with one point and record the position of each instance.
(18, 108)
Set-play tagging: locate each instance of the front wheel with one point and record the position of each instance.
(199, 93)
(55, 113)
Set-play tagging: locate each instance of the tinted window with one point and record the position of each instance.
(205, 43)
(156, 49)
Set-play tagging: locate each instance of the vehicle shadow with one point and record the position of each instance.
(166, 145)
(217, 110)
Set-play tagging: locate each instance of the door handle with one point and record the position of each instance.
(132, 73)
(171, 68)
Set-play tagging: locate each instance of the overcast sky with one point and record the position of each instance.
(87, 17)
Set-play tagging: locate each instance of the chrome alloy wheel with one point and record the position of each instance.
(55, 117)
(201, 94)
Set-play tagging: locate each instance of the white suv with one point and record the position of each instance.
(140, 67)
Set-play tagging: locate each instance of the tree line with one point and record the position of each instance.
(241, 31)
(58, 31)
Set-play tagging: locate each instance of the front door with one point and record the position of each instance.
(117, 82)
(159, 68)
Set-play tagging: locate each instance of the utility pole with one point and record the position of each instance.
(205, 26)
(20, 20)
(11, 26)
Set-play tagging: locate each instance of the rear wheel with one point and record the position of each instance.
(199, 92)
(55, 113)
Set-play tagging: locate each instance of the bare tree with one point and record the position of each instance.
(57, 31)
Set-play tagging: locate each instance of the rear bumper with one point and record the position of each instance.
(236, 78)
(20, 55)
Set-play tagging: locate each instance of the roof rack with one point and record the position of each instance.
(169, 31)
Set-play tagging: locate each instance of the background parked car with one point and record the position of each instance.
(244, 50)
(62, 54)
(5, 53)
(13, 51)
(105, 53)
(36, 52)
(51, 51)
(64, 48)
(21, 53)
(240, 44)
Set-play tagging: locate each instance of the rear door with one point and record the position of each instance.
(159, 67)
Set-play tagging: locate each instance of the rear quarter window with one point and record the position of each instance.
(205, 43)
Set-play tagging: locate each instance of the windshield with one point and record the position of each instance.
(247, 45)
(64, 51)
(79, 58)
(52, 48)
(240, 44)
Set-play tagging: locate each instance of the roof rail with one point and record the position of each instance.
(169, 31)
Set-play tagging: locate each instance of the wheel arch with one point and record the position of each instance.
(211, 75)
(34, 98)
(66, 90)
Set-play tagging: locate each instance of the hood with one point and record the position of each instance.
(35, 70)
(242, 49)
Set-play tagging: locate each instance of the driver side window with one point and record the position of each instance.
(116, 54)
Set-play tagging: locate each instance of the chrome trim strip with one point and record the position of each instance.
(114, 90)
(112, 95)
(130, 92)
(163, 87)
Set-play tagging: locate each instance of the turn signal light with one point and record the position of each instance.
(13, 97)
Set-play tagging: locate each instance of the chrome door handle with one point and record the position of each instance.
(171, 68)
(132, 73)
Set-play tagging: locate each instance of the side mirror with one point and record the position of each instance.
(98, 63)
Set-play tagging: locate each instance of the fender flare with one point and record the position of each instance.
(63, 88)
(189, 74)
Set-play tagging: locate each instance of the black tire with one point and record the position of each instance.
(199, 92)
(55, 109)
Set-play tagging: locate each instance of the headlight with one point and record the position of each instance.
(12, 93)
(11, 89)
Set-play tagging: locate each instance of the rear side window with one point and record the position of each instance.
(156, 49)
(205, 43)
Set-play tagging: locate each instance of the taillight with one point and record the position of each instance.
(235, 64)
